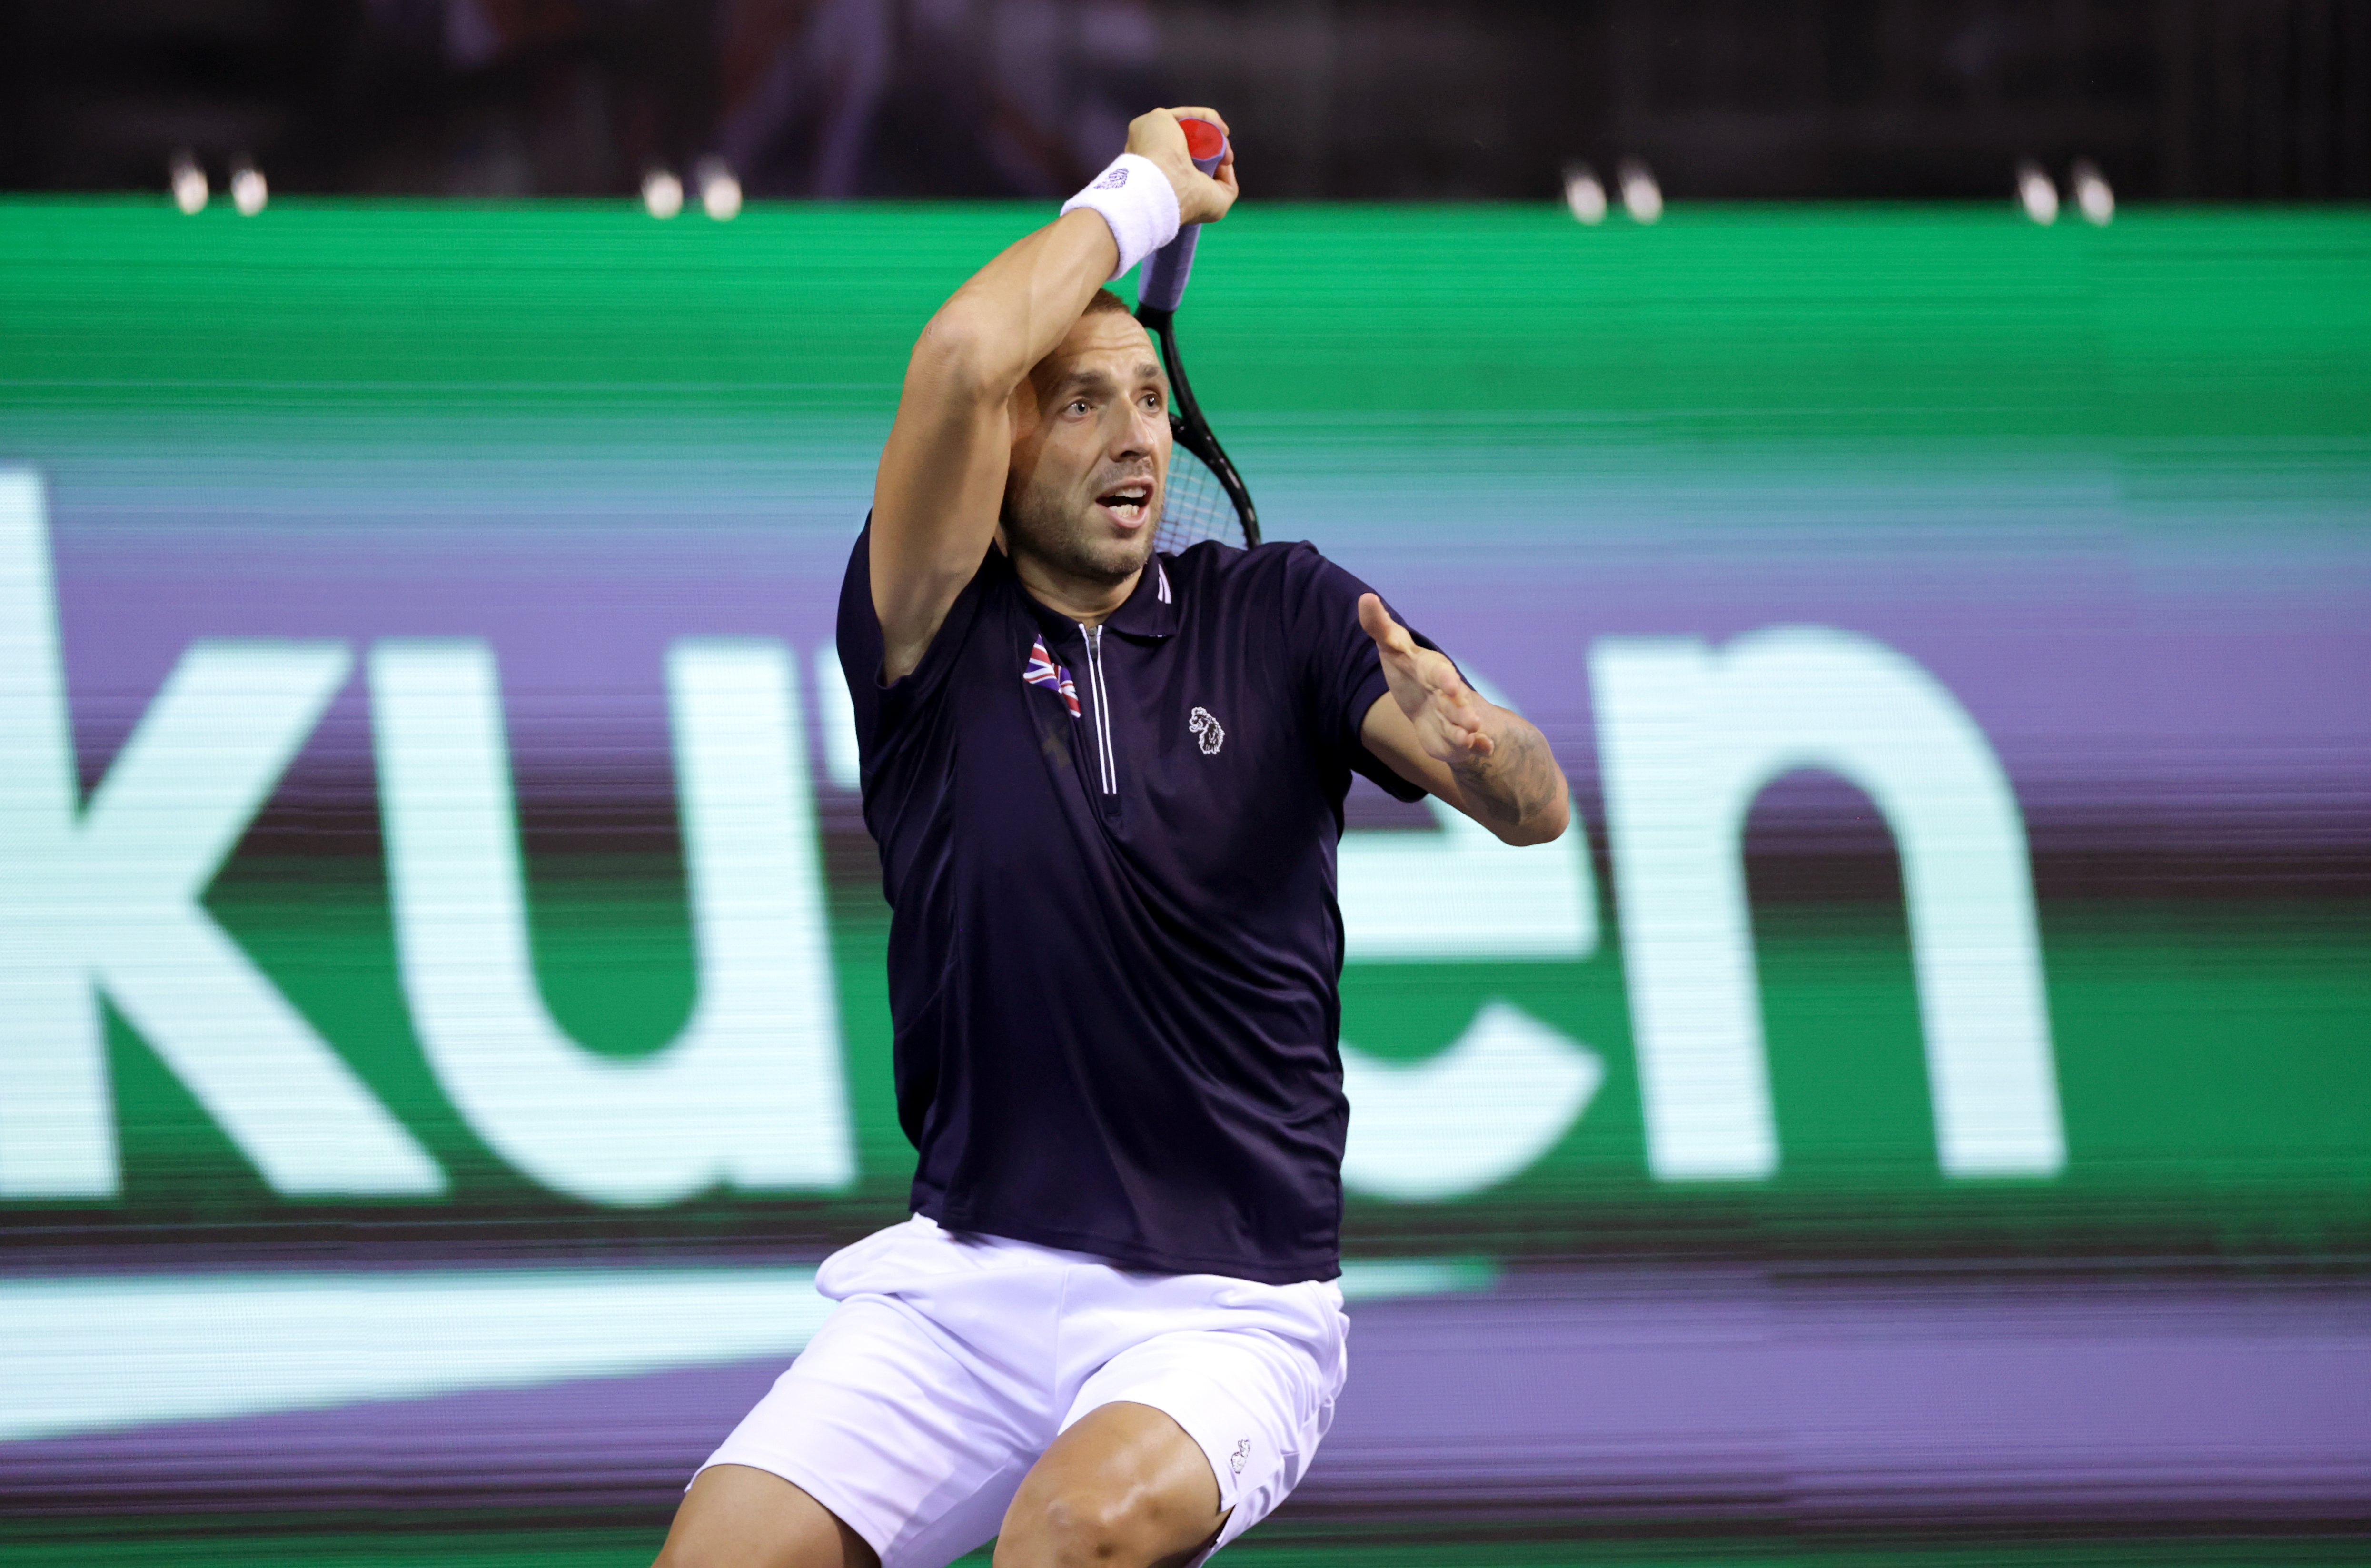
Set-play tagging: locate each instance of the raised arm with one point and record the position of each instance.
(1436, 731)
(941, 487)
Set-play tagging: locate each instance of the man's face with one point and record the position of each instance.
(1089, 451)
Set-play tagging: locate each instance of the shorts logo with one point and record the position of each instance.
(1207, 731)
(1113, 179)
(1243, 1449)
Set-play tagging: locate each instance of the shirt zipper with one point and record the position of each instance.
(1095, 635)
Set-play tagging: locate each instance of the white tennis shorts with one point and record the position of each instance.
(952, 1361)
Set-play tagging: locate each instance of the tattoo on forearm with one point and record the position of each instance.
(1518, 780)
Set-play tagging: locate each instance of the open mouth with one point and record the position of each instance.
(1128, 505)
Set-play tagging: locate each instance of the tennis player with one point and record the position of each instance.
(1106, 785)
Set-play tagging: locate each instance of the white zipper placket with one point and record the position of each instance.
(1110, 769)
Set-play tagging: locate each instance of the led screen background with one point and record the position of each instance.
(439, 590)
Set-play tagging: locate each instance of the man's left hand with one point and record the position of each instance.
(1450, 720)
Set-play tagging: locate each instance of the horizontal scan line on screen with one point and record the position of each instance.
(106, 899)
(109, 1352)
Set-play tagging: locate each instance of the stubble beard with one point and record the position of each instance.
(1041, 527)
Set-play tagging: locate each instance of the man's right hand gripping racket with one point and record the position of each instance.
(1204, 498)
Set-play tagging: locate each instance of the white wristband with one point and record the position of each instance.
(1136, 199)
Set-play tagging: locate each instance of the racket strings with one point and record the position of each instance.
(1195, 506)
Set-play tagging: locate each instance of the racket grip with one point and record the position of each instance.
(1161, 285)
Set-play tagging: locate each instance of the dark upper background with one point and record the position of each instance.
(1347, 99)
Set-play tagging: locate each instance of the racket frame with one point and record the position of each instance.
(1189, 429)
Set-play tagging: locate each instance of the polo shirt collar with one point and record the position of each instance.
(1151, 610)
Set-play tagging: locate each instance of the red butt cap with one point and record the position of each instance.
(1203, 140)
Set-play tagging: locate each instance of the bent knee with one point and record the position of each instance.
(1086, 1529)
(737, 1517)
(734, 1546)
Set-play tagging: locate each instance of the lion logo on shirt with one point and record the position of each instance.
(1207, 731)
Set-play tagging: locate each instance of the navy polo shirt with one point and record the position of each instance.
(1115, 951)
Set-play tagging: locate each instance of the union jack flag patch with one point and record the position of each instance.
(1041, 670)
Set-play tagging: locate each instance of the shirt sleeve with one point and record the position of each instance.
(883, 711)
(1340, 672)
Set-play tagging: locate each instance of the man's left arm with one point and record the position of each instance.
(1435, 730)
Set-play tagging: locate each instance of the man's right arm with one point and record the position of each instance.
(941, 488)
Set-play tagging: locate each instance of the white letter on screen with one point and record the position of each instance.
(1461, 894)
(842, 762)
(108, 897)
(750, 1092)
(1498, 1097)
(1470, 1117)
(1688, 738)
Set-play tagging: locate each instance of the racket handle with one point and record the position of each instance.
(1161, 283)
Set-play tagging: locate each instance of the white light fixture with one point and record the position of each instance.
(719, 192)
(189, 184)
(2093, 197)
(248, 191)
(662, 193)
(2036, 194)
(1583, 193)
(1641, 197)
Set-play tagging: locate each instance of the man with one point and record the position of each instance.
(1106, 785)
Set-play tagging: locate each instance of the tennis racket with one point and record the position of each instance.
(1203, 498)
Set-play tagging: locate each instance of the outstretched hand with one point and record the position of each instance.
(1201, 198)
(1447, 717)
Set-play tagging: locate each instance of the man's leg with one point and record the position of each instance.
(736, 1516)
(1123, 1488)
